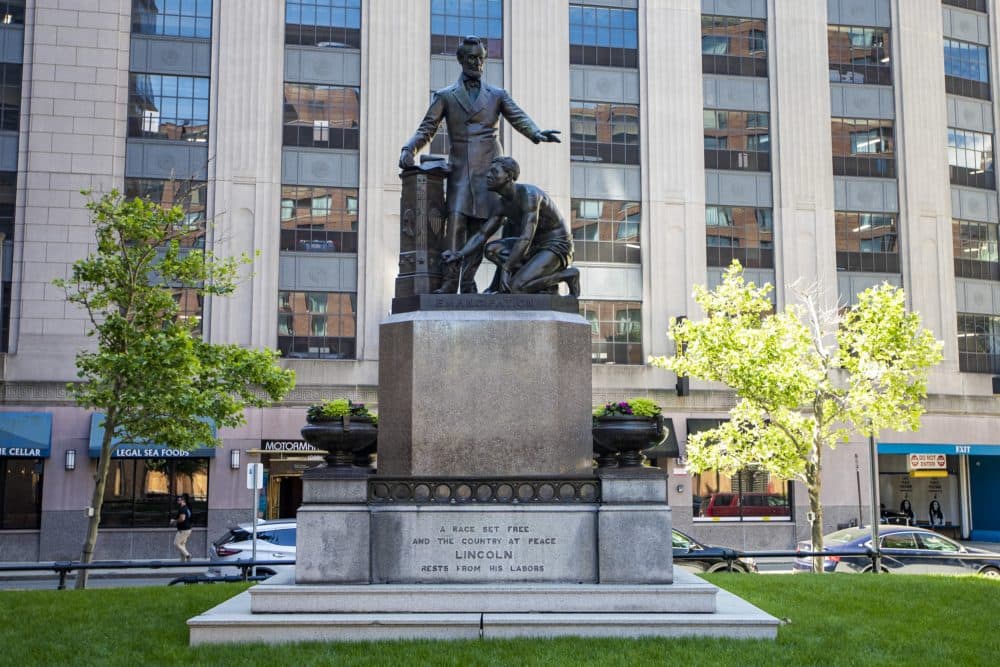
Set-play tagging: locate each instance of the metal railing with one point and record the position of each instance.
(248, 567)
(63, 568)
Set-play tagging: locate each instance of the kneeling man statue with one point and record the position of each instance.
(535, 252)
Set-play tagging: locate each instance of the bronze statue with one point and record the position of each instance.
(472, 110)
(539, 255)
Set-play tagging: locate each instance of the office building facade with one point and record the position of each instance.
(840, 143)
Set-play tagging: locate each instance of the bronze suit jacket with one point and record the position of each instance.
(472, 130)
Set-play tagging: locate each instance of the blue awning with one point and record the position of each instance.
(26, 434)
(938, 448)
(144, 450)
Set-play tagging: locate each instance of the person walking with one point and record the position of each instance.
(183, 523)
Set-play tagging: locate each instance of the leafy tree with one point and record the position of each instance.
(804, 379)
(150, 372)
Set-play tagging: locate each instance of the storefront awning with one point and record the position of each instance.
(127, 450)
(26, 434)
(938, 448)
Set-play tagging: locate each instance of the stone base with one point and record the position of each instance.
(489, 393)
(279, 612)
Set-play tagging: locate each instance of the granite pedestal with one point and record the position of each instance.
(486, 517)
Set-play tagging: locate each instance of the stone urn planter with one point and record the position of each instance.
(621, 439)
(346, 440)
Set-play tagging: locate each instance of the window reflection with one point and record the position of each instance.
(738, 232)
(859, 55)
(966, 69)
(737, 140)
(975, 245)
(172, 18)
(606, 230)
(321, 116)
(970, 158)
(602, 132)
(316, 219)
(733, 45)
(616, 331)
(863, 147)
(317, 325)
(978, 343)
(163, 106)
(141, 492)
(603, 36)
(867, 242)
(21, 493)
(452, 21)
(323, 23)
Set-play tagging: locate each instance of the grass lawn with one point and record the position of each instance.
(830, 620)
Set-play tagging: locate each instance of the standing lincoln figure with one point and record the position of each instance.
(472, 110)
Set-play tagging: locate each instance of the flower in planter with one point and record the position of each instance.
(633, 407)
(335, 409)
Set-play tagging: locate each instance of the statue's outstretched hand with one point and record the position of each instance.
(450, 256)
(548, 136)
(406, 158)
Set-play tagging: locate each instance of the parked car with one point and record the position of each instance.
(905, 549)
(745, 504)
(275, 541)
(709, 558)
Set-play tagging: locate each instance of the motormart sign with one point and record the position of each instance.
(927, 462)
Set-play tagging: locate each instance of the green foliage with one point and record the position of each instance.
(638, 407)
(842, 619)
(804, 379)
(150, 370)
(336, 408)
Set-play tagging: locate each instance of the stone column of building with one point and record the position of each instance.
(805, 242)
(396, 39)
(925, 194)
(245, 163)
(673, 166)
(72, 137)
(536, 55)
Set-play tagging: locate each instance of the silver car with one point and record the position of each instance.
(275, 541)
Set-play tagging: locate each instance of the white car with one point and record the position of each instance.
(275, 541)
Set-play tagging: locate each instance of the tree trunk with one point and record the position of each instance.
(813, 483)
(97, 500)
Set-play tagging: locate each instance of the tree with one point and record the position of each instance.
(804, 379)
(150, 373)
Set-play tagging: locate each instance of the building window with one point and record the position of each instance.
(978, 343)
(603, 36)
(8, 196)
(752, 494)
(12, 12)
(606, 230)
(189, 195)
(452, 21)
(10, 97)
(21, 493)
(321, 116)
(736, 46)
(324, 23)
(737, 140)
(867, 242)
(163, 106)
(859, 55)
(141, 493)
(737, 232)
(966, 69)
(172, 18)
(970, 158)
(316, 219)
(616, 331)
(604, 132)
(975, 5)
(975, 246)
(863, 147)
(317, 325)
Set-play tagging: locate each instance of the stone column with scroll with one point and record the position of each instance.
(422, 217)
